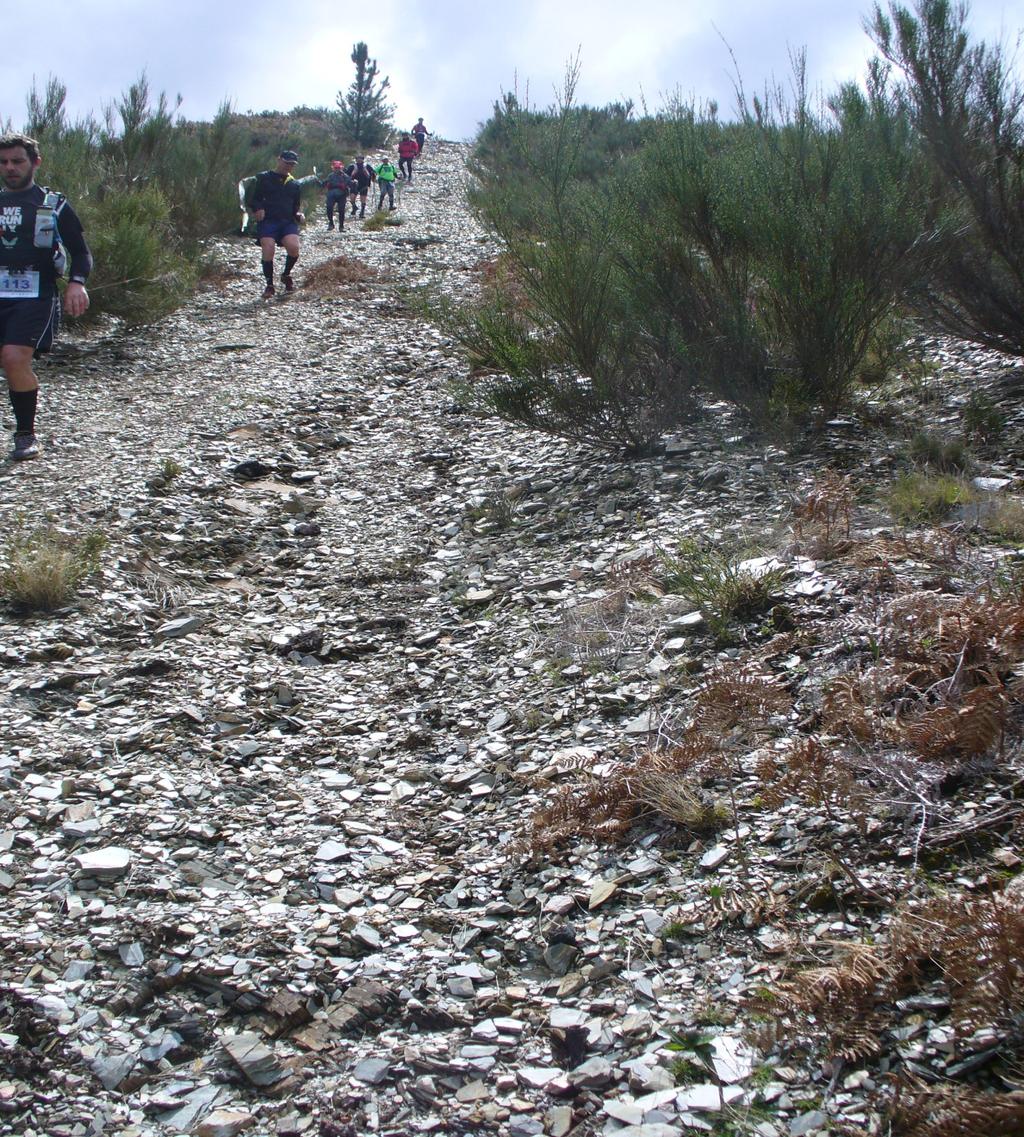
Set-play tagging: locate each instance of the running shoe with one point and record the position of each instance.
(268, 292)
(25, 446)
(289, 284)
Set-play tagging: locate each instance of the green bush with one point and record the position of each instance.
(567, 352)
(983, 422)
(929, 450)
(753, 261)
(141, 272)
(828, 200)
(968, 110)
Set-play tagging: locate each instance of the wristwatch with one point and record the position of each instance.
(78, 280)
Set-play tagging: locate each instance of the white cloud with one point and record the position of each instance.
(448, 60)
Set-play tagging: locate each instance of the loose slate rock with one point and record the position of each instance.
(224, 1123)
(109, 862)
(371, 1071)
(256, 1061)
(175, 629)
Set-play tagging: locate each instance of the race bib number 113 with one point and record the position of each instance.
(19, 285)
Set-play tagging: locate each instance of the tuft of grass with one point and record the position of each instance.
(685, 1072)
(170, 469)
(717, 585)
(983, 422)
(43, 568)
(381, 218)
(1005, 521)
(682, 801)
(918, 498)
(934, 453)
(496, 512)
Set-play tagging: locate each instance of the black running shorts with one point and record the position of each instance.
(30, 323)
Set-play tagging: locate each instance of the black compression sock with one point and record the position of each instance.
(268, 271)
(24, 405)
(289, 264)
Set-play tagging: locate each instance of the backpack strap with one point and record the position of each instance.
(57, 197)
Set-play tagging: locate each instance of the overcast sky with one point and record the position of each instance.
(448, 60)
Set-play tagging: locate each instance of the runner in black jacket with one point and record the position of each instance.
(362, 174)
(273, 198)
(36, 227)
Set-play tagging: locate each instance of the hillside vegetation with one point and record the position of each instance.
(772, 260)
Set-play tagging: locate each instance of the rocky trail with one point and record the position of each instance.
(267, 862)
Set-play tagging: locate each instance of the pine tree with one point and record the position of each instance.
(365, 113)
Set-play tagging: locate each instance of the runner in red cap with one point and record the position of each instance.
(339, 186)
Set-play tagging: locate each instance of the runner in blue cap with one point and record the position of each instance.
(273, 200)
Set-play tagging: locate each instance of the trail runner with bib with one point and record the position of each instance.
(38, 231)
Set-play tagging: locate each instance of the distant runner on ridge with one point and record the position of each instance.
(273, 197)
(420, 132)
(36, 226)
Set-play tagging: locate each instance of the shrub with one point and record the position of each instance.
(43, 567)
(824, 199)
(969, 112)
(983, 422)
(141, 272)
(751, 261)
(891, 350)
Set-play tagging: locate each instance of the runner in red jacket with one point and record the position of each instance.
(407, 150)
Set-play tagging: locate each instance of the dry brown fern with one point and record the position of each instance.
(339, 272)
(605, 806)
(977, 944)
(940, 549)
(817, 774)
(823, 518)
(971, 726)
(861, 705)
(974, 946)
(961, 635)
(917, 1110)
(730, 700)
(603, 810)
(840, 1006)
